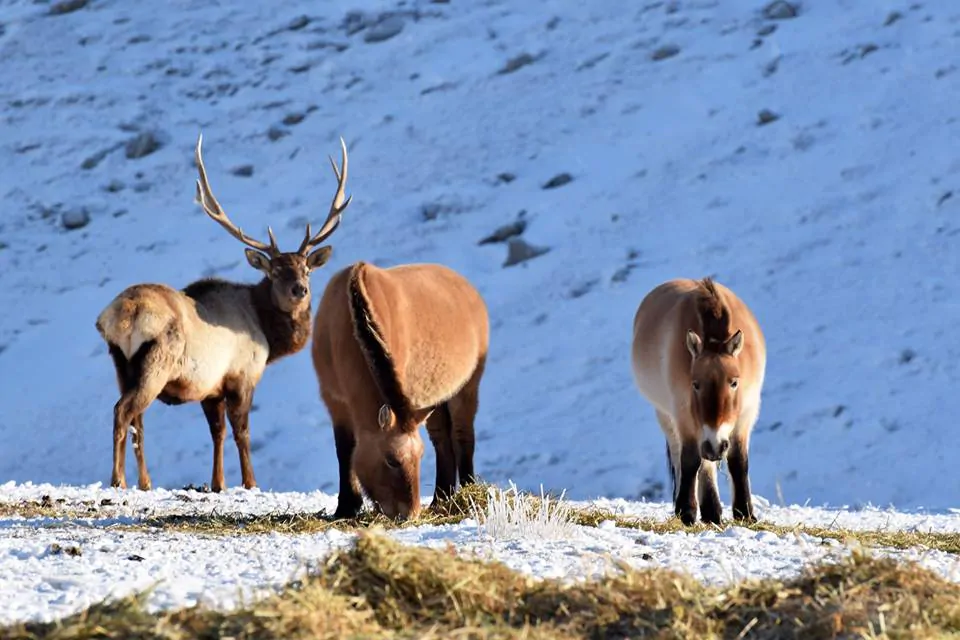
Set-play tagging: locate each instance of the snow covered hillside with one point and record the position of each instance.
(809, 163)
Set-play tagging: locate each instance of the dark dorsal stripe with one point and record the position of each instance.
(714, 316)
(370, 337)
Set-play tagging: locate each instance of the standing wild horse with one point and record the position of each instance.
(699, 357)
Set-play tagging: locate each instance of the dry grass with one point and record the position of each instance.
(465, 503)
(384, 589)
(475, 498)
(47, 507)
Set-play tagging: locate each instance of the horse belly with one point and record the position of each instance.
(436, 371)
(653, 371)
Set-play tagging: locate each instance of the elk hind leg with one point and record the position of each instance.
(463, 413)
(147, 373)
(440, 430)
(143, 477)
(118, 475)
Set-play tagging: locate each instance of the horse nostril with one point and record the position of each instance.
(724, 446)
(706, 450)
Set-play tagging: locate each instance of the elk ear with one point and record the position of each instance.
(385, 418)
(319, 257)
(257, 260)
(734, 344)
(694, 344)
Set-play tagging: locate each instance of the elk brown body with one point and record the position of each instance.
(699, 357)
(211, 341)
(393, 348)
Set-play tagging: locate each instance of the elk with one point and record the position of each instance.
(211, 341)
(699, 357)
(392, 348)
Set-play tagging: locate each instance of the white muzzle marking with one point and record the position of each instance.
(715, 436)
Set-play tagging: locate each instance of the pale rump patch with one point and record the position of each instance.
(211, 341)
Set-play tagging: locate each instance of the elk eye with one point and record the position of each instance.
(735, 383)
(392, 462)
(696, 385)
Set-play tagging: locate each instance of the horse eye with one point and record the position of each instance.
(696, 386)
(392, 462)
(734, 383)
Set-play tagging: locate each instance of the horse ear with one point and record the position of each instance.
(694, 344)
(734, 344)
(385, 417)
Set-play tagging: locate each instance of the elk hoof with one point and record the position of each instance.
(144, 486)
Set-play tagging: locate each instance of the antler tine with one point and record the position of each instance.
(213, 209)
(337, 207)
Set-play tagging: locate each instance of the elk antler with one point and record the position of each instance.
(213, 209)
(337, 207)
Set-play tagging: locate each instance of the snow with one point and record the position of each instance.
(181, 569)
(835, 222)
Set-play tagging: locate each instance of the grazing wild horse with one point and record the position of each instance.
(393, 348)
(211, 341)
(699, 358)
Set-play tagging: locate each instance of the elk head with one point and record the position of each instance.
(715, 391)
(288, 272)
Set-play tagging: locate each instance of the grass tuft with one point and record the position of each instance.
(381, 588)
(469, 502)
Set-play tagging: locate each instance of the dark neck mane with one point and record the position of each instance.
(714, 316)
(286, 332)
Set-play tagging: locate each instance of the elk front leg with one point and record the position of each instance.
(214, 411)
(738, 465)
(238, 411)
(685, 503)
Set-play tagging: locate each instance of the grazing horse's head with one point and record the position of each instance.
(387, 463)
(715, 391)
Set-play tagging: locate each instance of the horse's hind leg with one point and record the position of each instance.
(463, 413)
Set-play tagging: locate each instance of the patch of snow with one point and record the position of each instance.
(833, 214)
(835, 222)
(38, 582)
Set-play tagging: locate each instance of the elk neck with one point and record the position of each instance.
(287, 332)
